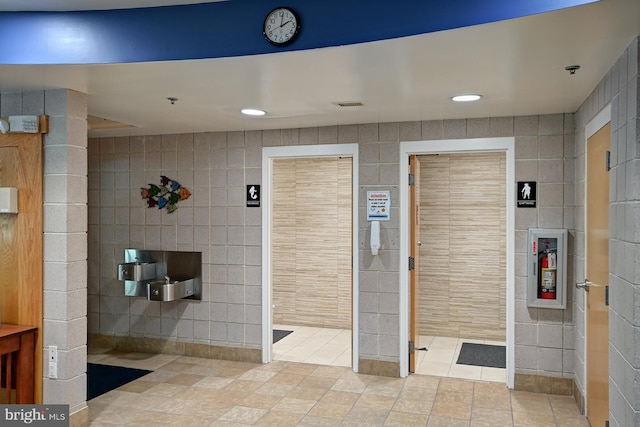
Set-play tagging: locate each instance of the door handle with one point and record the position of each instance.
(584, 285)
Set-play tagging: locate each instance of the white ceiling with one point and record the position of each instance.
(517, 65)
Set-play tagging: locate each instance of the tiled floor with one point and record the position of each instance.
(442, 354)
(187, 391)
(322, 346)
(333, 347)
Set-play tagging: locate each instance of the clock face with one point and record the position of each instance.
(281, 26)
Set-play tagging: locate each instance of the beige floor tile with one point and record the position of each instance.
(447, 396)
(493, 374)
(299, 369)
(375, 401)
(422, 381)
(416, 393)
(366, 416)
(262, 401)
(140, 401)
(330, 410)
(243, 386)
(455, 384)
(275, 389)
(315, 421)
(243, 414)
(488, 416)
(451, 410)
(349, 386)
(403, 419)
(530, 403)
(465, 371)
(533, 419)
(279, 419)
(413, 406)
(574, 421)
(198, 408)
(317, 382)
(296, 406)
(287, 378)
(138, 386)
(439, 369)
(214, 382)
(329, 372)
(185, 379)
(440, 421)
(342, 397)
(283, 394)
(191, 421)
(308, 393)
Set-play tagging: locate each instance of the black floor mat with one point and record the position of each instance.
(278, 334)
(104, 378)
(492, 356)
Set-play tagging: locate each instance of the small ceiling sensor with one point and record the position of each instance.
(172, 99)
(572, 69)
(466, 98)
(253, 112)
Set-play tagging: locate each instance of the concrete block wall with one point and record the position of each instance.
(545, 154)
(216, 167)
(619, 89)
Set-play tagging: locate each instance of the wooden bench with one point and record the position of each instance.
(17, 351)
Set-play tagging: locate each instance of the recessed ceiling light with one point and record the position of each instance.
(466, 98)
(253, 112)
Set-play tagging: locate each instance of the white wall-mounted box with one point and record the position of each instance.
(9, 200)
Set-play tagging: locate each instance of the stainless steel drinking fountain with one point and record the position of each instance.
(161, 275)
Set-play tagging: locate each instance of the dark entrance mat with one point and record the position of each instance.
(104, 378)
(278, 334)
(492, 356)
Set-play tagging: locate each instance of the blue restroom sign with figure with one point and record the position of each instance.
(253, 196)
(526, 194)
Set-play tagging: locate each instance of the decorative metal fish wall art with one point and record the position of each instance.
(166, 195)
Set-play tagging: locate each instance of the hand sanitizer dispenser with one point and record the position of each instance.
(375, 237)
(9, 200)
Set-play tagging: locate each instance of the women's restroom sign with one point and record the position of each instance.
(378, 205)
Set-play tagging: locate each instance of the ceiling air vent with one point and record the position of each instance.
(100, 123)
(349, 104)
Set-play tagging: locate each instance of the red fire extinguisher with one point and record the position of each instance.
(548, 275)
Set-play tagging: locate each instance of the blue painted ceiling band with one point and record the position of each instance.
(234, 28)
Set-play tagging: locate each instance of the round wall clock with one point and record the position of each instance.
(281, 26)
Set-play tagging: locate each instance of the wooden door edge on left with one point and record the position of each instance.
(28, 223)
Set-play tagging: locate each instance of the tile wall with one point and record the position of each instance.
(621, 89)
(216, 167)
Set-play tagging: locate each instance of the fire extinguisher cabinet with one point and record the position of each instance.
(547, 268)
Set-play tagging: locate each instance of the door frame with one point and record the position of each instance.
(305, 151)
(593, 126)
(479, 145)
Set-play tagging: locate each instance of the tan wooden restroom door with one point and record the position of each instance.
(414, 334)
(597, 272)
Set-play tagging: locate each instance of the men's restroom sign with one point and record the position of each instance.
(253, 196)
(526, 194)
(378, 205)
